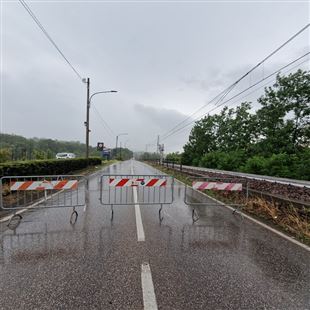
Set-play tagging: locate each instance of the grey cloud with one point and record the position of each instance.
(165, 59)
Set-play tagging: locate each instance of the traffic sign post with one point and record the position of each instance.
(100, 146)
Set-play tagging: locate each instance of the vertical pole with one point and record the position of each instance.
(120, 151)
(87, 120)
(116, 147)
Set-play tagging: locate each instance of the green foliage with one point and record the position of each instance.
(284, 119)
(174, 157)
(121, 153)
(256, 165)
(21, 148)
(46, 167)
(5, 155)
(223, 160)
(274, 141)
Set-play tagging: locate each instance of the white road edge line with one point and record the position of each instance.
(140, 230)
(279, 233)
(149, 298)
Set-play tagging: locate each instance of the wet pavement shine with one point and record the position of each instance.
(220, 262)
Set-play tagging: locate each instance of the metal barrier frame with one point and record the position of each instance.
(195, 216)
(39, 202)
(133, 176)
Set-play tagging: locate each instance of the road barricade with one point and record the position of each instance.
(35, 192)
(233, 192)
(136, 189)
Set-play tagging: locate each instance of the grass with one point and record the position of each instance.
(285, 217)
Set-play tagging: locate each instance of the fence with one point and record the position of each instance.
(234, 192)
(35, 192)
(136, 189)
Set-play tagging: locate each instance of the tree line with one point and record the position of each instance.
(18, 148)
(273, 140)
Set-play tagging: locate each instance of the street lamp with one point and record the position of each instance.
(120, 134)
(89, 98)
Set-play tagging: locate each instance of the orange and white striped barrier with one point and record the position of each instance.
(217, 186)
(150, 182)
(43, 185)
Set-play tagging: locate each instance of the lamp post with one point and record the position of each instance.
(89, 98)
(120, 134)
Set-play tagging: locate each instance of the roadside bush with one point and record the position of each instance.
(256, 165)
(223, 160)
(46, 167)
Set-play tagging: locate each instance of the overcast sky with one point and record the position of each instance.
(166, 59)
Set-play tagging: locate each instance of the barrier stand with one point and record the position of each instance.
(229, 185)
(37, 192)
(136, 189)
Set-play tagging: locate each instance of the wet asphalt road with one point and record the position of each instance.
(220, 262)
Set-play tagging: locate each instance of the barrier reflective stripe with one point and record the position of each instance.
(145, 182)
(217, 186)
(43, 185)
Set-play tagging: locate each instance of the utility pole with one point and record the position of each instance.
(116, 146)
(86, 123)
(120, 134)
(87, 120)
(158, 144)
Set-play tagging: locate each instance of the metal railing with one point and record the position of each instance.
(236, 193)
(36, 192)
(123, 189)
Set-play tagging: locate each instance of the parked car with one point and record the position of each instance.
(65, 155)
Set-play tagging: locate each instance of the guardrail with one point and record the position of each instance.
(181, 167)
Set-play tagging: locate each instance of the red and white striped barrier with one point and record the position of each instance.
(150, 182)
(217, 186)
(43, 185)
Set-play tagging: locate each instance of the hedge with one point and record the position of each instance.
(46, 167)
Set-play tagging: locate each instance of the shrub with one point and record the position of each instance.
(223, 160)
(46, 167)
(256, 165)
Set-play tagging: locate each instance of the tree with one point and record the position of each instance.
(5, 155)
(174, 157)
(284, 119)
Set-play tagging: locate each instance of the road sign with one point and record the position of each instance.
(100, 146)
(106, 151)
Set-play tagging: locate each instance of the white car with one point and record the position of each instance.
(65, 155)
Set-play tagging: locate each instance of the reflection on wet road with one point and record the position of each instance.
(220, 262)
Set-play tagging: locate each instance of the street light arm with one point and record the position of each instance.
(101, 92)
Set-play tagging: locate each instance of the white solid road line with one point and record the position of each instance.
(140, 230)
(149, 298)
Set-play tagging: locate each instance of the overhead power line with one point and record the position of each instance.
(109, 129)
(237, 95)
(230, 88)
(36, 20)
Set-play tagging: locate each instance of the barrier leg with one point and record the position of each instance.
(112, 213)
(73, 217)
(238, 211)
(14, 221)
(159, 214)
(195, 216)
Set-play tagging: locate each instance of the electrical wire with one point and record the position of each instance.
(229, 89)
(237, 95)
(109, 129)
(36, 20)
